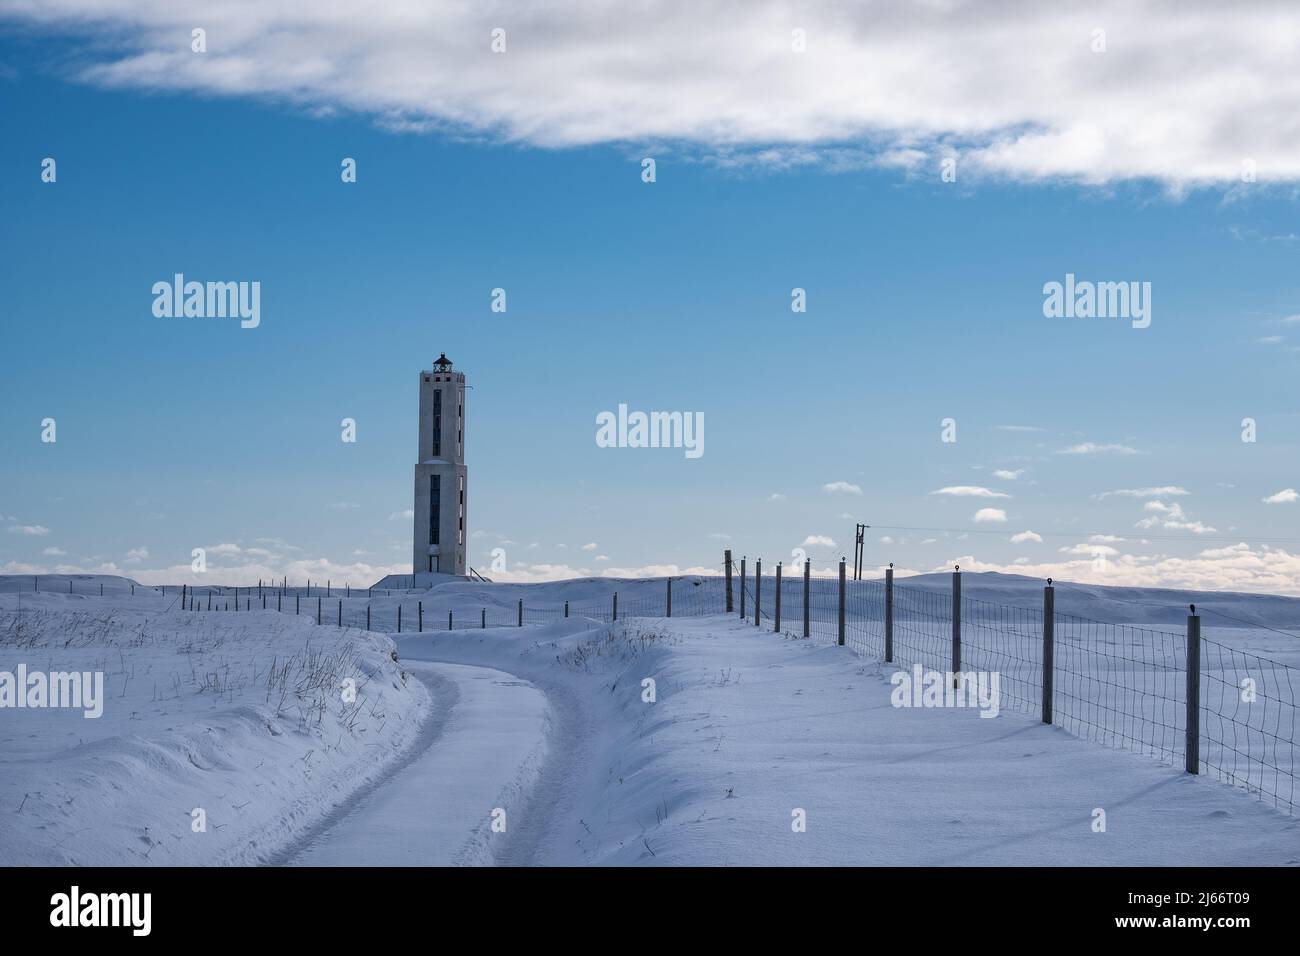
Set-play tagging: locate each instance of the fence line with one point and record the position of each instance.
(1180, 697)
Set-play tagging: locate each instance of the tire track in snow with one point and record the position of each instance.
(481, 749)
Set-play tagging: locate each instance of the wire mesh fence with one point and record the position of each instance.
(400, 611)
(1119, 685)
(1248, 722)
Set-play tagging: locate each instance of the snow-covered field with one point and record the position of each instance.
(750, 727)
(221, 737)
(540, 744)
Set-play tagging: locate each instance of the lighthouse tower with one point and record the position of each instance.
(440, 473)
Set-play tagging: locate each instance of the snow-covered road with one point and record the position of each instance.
(479, 752)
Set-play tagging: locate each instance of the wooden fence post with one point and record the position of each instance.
(956, 626)
(776, 629)
(889, 613)
(1049, 647)
(742, 587)
(807, 581)
(670, 597)
(841, 636)
(1193, 692)
(758, 588)
(726, 567)
(521, 613)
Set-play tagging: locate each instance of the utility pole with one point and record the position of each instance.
(858, 539)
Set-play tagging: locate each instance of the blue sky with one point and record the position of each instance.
(924, 302)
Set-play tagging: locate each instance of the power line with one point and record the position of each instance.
(1107, 534)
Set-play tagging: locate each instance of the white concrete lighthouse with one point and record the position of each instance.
(440, 473)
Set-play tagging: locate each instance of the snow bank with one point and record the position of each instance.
(223, 735)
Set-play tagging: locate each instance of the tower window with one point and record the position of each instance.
(437, 423)
(435, 508)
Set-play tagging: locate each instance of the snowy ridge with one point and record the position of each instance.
(233, 723)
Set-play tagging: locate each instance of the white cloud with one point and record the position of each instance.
(533, 573)
(990, 514)
(1161, 515)
(54, 552)
(32, 530)
(722, 77)
(1024, 536)
(408, 514)
(969, 491)
(776, 496)
(1092, 550)
(818, 540)
(1007, 474)
(601, 557)
(235, 570)
(589, 546)
(1285, 496)
(1092, 448)
(136, 555)
(719, 536)
(1238, 567)
(843, 487)
(1162, 491)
